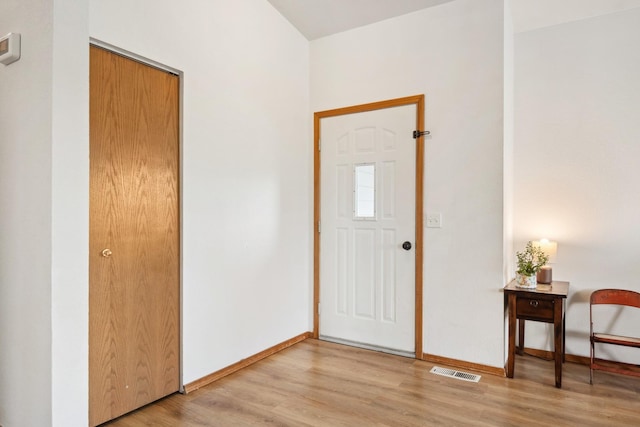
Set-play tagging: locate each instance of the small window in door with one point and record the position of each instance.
(364, 191)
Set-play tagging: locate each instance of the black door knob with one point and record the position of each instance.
(406, 246)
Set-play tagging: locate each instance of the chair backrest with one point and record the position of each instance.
(616, 297)
(621, 297)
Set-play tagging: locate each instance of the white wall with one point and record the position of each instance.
(576, 158)
(43, 194)
(453, 53)
(509, 83)
(70, 214)
(25, 221)
(508, 263)
(245, 177)
(246, 209)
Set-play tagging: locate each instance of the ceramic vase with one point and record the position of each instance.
(523, 281)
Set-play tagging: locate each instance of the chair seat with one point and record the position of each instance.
(616, 339)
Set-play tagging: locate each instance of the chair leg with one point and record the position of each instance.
(591, 364)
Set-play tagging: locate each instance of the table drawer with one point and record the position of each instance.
(535, 309)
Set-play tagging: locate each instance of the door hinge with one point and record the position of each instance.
(418, 133)
(318, 226)
(319, 144)
(319, 309)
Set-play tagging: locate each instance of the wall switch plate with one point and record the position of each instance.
(9, 48)
(434, 220)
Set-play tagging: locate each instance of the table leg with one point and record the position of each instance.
(512, 334)
(558, 344)
(564, 329)
(520, 337)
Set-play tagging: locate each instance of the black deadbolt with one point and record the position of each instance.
(406, 246)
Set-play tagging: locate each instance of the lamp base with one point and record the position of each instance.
(544, 275)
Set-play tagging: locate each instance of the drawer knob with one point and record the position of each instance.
(533, 303)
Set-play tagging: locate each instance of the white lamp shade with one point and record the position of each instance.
(548, 247)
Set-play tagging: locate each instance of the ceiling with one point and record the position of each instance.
(319, 18)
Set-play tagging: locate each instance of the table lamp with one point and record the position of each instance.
(551, 249)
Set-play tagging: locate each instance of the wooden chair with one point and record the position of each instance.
(615, 297)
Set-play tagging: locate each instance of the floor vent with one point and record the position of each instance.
(455, 374)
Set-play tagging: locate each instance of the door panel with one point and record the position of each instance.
(134, 263)
(367, 280)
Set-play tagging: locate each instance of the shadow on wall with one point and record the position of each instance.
(580, 297)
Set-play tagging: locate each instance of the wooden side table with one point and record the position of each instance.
(543, 304)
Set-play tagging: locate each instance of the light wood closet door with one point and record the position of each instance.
(134, 242)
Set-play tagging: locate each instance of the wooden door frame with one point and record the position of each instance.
(418, 101)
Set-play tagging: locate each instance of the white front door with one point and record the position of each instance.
(367, 214)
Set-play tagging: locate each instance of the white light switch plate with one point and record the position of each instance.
(434, 220)
(9, 48)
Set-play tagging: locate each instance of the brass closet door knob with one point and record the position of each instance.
(106, 253)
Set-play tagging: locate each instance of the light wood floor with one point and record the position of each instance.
(316, 383)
